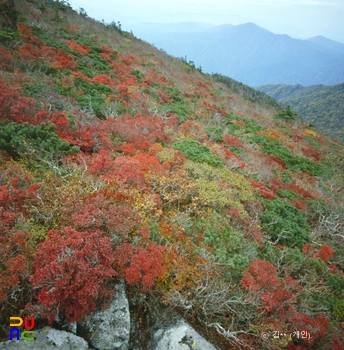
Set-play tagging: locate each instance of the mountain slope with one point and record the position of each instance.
(320, 105)
(255, 56)
(120, 162)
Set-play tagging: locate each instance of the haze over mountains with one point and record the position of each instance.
(249, 53)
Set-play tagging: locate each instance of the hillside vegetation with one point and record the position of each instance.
(322, 106)
(118, 161)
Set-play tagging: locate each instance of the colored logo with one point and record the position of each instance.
(27, 333)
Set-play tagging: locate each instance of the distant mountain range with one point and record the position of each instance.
(323, 106)
(249, 53)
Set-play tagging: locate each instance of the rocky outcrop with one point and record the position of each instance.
(116, 329)
(169, 331)
(108, 329)
(48, 339)
(178, 337)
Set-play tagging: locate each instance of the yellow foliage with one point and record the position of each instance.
(311, 132)
(174, 188)
(241, 188)
(221, 187)
(145, 206)
(167, 155)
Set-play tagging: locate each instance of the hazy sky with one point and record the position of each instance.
(298, 18)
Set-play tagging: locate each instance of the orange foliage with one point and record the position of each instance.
(24, 31)
(5, 59)
(81, 48)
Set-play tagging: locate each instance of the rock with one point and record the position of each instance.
(171, 332)
(177, 337)
(47, 339)
(108, 329)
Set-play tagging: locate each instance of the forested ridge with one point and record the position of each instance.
(319, 105)
(119, 162)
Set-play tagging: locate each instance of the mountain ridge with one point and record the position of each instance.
(319, 105)
(256, 56)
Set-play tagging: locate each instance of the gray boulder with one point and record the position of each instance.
(108, 329)
(169, 331)
(47, 339)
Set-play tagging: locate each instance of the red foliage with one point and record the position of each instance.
(263, 190)
(64, 61)
(106, 56)
(276, 184)
(165, 82)
(81, 48)
(232, 141)
(128, 170)
(132, 170)
(140, 265)
(103, 79)
(17, 193)
(5, 59)
(151, 78)
(29, 52)
(14, 106)
(164, 96)
(276, 161)
(139, 129)
(24, 31)
(74, 129)
(148, 162)
(71, 269)
(97, 163)
(82, 76)
(98, 212)
(277, 297)
(299, 204)
(238, 122)
(324, 252)
(336, 344)
(299, 190)
(14, 261)
(311, 153)
(275, 294)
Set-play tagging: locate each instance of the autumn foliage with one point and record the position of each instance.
(120, 162)
(71, 269)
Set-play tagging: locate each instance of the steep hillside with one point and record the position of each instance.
(322, 106)
(254, 55)
(118, 161)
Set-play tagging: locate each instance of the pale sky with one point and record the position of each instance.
(298, 18)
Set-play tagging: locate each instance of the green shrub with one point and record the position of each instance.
(285, 224)
(178, 109)
(23, 140)
(94, 95)
(228, 246)
(200, 154)
(294, 163)
(215, 134)
(174, 93)
(288, 194)
(287, 114)
(139, 76)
